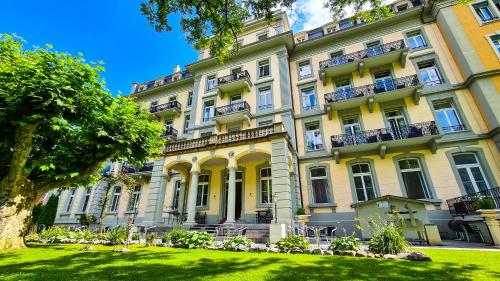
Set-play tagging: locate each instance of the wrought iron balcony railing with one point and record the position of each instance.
(466, 205)
(385, 134)
(129, 169)
(372, 89)
(363, 54)
(232, 108)
(170, 132)
(162, 107)
(161, 82)
(233, 77)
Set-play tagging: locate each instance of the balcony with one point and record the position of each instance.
(466, 205)
(229, 139)
(360, 60)
(167, 80)
(234, 82)
(171, 108)
(131, 170)
(170, 133)
(387, 90)
(233, 113)
(380, 141)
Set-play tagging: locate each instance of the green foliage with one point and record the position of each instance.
(237, 241)
(197, 239)
(176, 235)
(54, 234)
(116, 236)
(35, 214)
(49, 211)
(301, 211)
(151, 238)
(292, 241)
(136, 236)
(485, 203)
(86, 220)
(387, 235)
(346, 243)
(87, 235)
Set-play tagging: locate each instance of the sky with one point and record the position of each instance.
(115, 32)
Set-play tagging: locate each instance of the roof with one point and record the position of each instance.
(388, 198)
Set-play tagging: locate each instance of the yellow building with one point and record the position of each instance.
(321, 119)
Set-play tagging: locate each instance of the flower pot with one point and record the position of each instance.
(303, 218)
(489, 214)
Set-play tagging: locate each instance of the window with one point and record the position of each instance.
(190, 99)
(484, 12)
(115, 199)
(208, 110)
(305, 69)
(497, 4)
(447, 116)
(211, 82)
(265, 98)
(330, 29)
(352, 129)
(133, 202)
(235, 99)
(202, 195)
(416, 40)
(396, 122)
(86, 199)
(496, 41)
(471, 173)
(177, 191)
(337, 58)
(265, 123)
(262, 36)
(363, 181)
(263, 68)
(314, 141)
(374, 49)
(266, 186)
(70, 200)
(345, 23)
(343, 89)
(319, 184)
(429, 73)
(205, 134)
(413, 179)
(309, 98)
(315, 33)
(186, 123)
(383, 81)
(153, 104)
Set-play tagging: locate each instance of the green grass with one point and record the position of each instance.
(67, 262)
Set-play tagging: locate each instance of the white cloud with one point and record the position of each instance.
(309, 14)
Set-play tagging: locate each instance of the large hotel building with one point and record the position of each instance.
(321, 120)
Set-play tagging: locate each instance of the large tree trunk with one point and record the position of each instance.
(14, 218)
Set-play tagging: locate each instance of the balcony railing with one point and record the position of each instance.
(214, 140)
(385, 134)
(233, 77)
(170, 132)
(130, 169)
(161, 82)
(363, 54)
(232, 108)
(373, 89)
(466, 205)
(162, 107)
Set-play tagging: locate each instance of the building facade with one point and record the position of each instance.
(321, 119)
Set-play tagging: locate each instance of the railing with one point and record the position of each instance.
(233, 77)
(129, 169)
(170, 131)
(243, 135)
(160, 82)
(466, 205)
(385, 134)
(162, 107)
(373, 89)
(232, 108)
(366, 53)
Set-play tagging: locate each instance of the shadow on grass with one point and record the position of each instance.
(67, 263)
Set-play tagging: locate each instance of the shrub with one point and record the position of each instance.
(53, 234)
(48, 213)
(301, 211)
(388, 236)
(116, 236)
(237, 241)
(485, 203)
(346, 243)
(293, 241)
(136, 236)
(176, 235)
(86, 220)
(151, 238)
(197, 239)
(87, 235)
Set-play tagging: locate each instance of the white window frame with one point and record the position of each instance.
(134, 200)
(468, 168)
(202, 185)
(426, 189)
(362, 175)
(491, 8)
(269, 182)
(86, 200)
(492, 43)
(175, 198)
(207, 115)
(306, 95)
(315, 135)
(300, 69)
(325, 178)
(211, 83)
(267, 94)
(262, 67)
(71, 199)
(446, 111)
(412, 37)
(428, 71)
(115, 199)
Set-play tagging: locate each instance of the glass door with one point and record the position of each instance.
(383, 81)
(396, 122)
(352, 130)
(470, 172)
(239, 192)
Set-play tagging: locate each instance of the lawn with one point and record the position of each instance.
(67, 262)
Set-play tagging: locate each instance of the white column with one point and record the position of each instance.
(231, 195)
(193, 191)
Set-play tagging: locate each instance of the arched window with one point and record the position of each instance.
(471, 173)
(363, 181)
(115, 199)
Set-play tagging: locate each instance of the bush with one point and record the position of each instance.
(197, 239)
(346, 243)
(151, 238)
(48, 213)
(485, 203)
(301, 211)
(237, 241)
(116, 236)
(136, 236)
(86, 220)
(176, 235)
(87, 235)
(54, 234)
(293, 241)
(388, 236)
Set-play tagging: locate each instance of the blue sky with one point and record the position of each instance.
(110, 30)
(115, 32)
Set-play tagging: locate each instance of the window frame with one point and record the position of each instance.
(113, 208)
(269, 95)
(269, 179)
(86, 200)
(445, 111)
(423, 34)
(70, 201)
(492, 43)
(209, 78)
(314, 94)
(331, 199)
(268, 60)
(135, 197)
(309, 62)
(371, 165)
(204, 183)
(315, 137)
(425, 175)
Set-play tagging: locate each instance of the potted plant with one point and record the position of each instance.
(486, 208)
(301, 216)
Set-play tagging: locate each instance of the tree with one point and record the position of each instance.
(49, 211)
(216, 24)
(58, 125)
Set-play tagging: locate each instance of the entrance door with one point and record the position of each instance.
(239, 193)
(397, 123)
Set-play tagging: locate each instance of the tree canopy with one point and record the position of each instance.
(216, 24)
